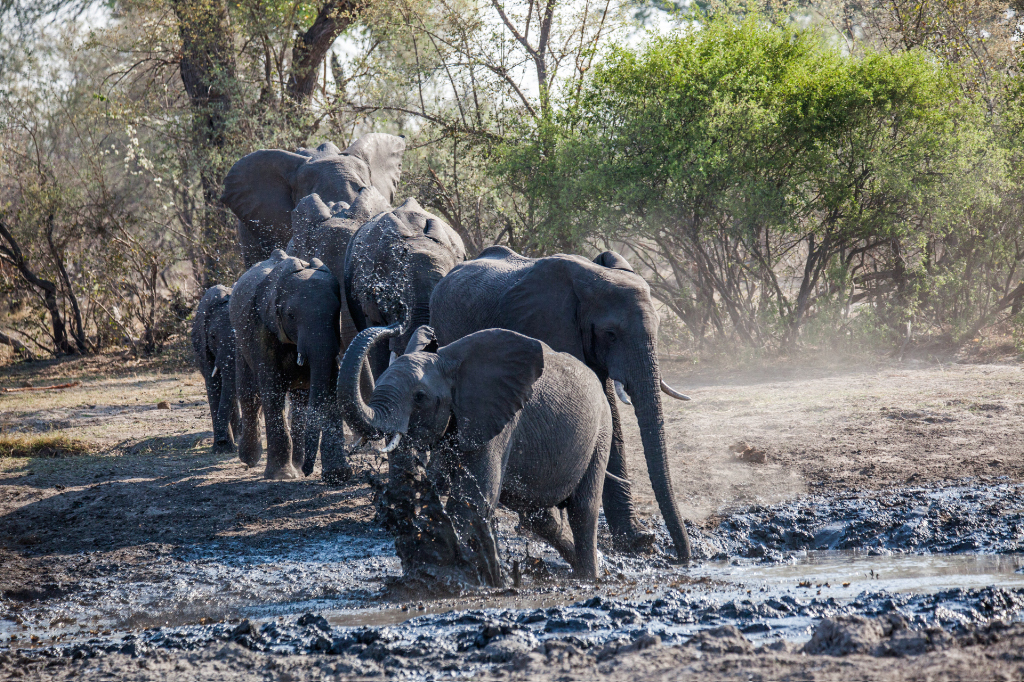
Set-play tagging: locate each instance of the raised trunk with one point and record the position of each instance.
(358, 414)
(644, 388)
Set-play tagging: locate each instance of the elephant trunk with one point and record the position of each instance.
(223, 438)
(644, 386)
(360, 416)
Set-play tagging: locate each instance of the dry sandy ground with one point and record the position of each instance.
(151, 486)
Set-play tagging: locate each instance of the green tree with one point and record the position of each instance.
(756, 170)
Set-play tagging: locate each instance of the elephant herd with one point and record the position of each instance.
(505, 369)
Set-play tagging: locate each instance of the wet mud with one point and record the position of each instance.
(966, 517)
(818, 576)
(854, 548)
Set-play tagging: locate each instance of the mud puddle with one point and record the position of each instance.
(769, 572)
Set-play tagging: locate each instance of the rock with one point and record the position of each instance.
(163, 405)
(722, 640)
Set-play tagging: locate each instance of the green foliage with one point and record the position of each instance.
(753, 165)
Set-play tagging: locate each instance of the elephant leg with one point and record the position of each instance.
(279, 441)
(213, 391)
(298, 408)
(249, 448)
(333, 456)
(582, 510)
(475, 490)
(253, 247)
(550, 526)
(627, 533)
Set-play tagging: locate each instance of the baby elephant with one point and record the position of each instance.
(529, 427)
(285, 314)
(213, 347)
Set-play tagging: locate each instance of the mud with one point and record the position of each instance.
(966, 517)
(880, 536)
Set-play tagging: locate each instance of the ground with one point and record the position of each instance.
(150, 491)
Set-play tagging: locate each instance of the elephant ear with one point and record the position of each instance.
(492, 374)
(544, 304)
(382, 153)
(422, 340)
(613, 260)
(258, 188)
(270, 304)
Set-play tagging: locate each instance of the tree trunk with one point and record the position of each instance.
(49, 291)
(208, 74)
(311, 47)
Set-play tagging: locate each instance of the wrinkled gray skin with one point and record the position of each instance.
(285, 313)
(531, 429)
(213, 349)
(391, 268)
(263, 187)
(601, 313)
(324, 230)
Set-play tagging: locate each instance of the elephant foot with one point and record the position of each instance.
(338, 474)
(285, 473)
(634, 540)
(223, 447)
(250, 458)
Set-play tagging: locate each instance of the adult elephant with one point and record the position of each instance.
(324, 230)
(263, 187)
(599, 311)
(392, 265)
(213, 349)
(285, 315)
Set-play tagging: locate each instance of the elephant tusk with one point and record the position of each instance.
(390, 446)
(394, 356)
(673, 392)
(620, 391)
(300, 360)
(214, 372)
(617, 479)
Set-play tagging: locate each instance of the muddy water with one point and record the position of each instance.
(329, 596)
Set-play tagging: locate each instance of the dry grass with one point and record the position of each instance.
(46, 446)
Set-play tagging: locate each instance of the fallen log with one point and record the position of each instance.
(70, 384)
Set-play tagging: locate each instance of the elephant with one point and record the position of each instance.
(263, 187)
(213, 348)
(601, 313)
(285, 313)
(527, 426)
(392, 265)
(323, 231)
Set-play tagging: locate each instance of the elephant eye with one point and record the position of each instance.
(609, 336)
(420, 396)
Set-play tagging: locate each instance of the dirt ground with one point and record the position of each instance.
(151, 487)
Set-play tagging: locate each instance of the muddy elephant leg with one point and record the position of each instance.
(279, 441)
(626, 531)
(582, 512)
(213, 390)
(249, 448)
(475, 488)
(550, 525)
(298, 405)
